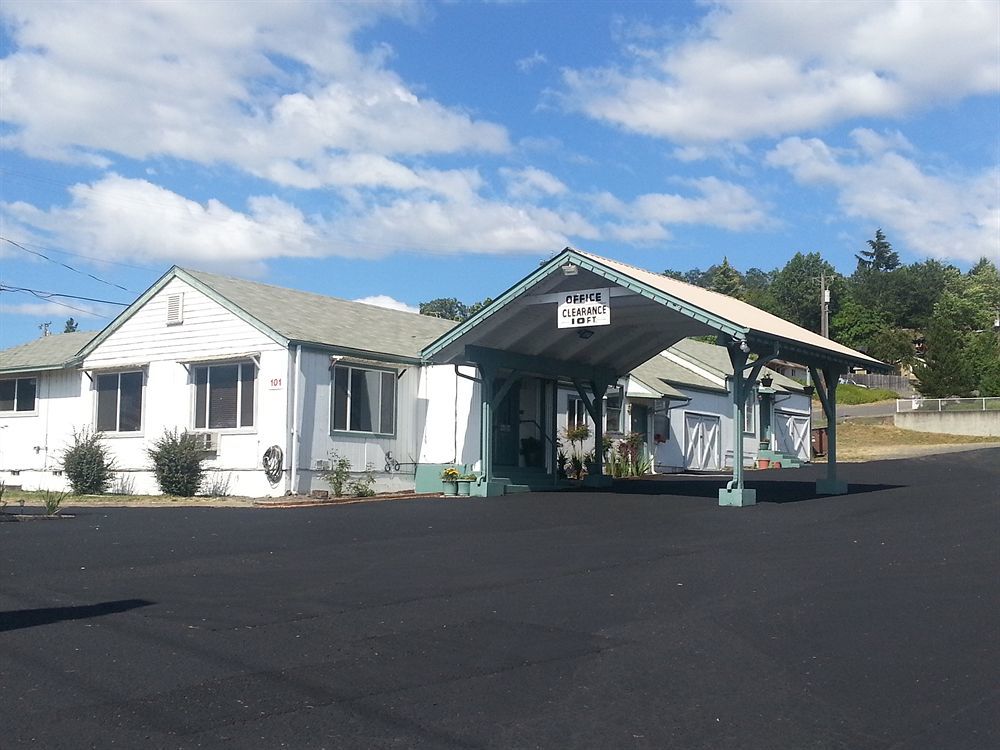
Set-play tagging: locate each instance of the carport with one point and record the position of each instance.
(587, 320)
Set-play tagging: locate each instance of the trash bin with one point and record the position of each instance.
(819, 441)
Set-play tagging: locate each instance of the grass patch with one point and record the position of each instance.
(19, 497)
(852, 395)
(859, 441)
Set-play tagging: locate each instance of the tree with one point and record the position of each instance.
(727, 280)
(71, 325)
(880, 256)
(946, 371)
(448, 308)
(795, 289)
(451, 308)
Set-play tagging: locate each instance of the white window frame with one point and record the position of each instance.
(118, 402)
(209, 366)
(619, 393)
(376, 412)
(15, 412)
(749, 414)
(576, 412)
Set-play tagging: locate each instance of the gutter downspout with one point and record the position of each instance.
(296, 421)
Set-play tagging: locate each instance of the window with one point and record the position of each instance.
(613, 411)
(577, 412)
(749, 423)
(363, 400)
(223, 396)
(17, 395)
(119, 402)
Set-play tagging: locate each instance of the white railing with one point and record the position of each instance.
(947, 404)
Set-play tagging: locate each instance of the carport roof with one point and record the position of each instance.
(649, 313)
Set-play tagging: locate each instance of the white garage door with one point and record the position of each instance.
(792, 434)
(701, 442)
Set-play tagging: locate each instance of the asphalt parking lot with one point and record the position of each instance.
(647, 617)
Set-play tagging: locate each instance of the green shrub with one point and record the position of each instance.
(88, 467)
(51, 501)
(339, 473)
(362, 486)
(177, 463)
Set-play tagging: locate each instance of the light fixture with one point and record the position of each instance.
(569, 270)
(744, 347)
(766, 381)
(585, 334)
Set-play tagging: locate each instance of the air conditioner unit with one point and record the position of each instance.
(208, 441)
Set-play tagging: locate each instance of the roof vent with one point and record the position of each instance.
(175, 309)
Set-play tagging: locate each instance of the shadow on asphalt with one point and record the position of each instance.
(767, 492)
(16, 619)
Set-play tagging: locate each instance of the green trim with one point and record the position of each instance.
(495, 359)
(617, 277)
(68, 365)
(668, 300)
(498, 304)
(359, 353)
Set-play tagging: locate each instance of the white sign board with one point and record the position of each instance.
(584, 307)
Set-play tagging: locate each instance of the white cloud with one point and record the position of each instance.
(118, 217)
(384, 300)
(772, 68)
(121, 218)
(532, 182)
(532, 61)
(282, 93)
(57, 313)
(944, 215)
(714, 202)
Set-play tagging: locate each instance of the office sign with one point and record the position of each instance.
(584, 307)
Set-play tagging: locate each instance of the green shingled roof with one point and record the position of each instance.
(716, 359)
(660, 374)
(47, 353)
(316, 319)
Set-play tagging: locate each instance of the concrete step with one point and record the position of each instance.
(515, 489)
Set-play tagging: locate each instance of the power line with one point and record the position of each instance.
(49, 295)
(28, 245)
(64, 265)
(57, 302)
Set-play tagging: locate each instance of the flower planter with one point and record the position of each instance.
(763, 463)
(464, 487)
(450, 488)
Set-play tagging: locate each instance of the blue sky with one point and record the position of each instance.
(400, 151)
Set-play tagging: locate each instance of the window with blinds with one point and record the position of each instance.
(119, 402)
(224, 396)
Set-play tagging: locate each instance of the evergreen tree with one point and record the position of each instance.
(946, 371)
(727, 280)
(880, 256)
(71, 325)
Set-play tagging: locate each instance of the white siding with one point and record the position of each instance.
(67, 400)
(449, 410)
(31, 445)
(363, 450)
(208, 330)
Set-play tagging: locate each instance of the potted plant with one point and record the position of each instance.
(465, 484)
(449, 478)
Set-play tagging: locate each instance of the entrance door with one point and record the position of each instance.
(506, 426)
(792, 434)
(701, 442)
(639, 421)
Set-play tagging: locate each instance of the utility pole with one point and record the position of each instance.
(824, 307)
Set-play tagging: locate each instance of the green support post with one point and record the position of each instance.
(827, 392)
(734, 493)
